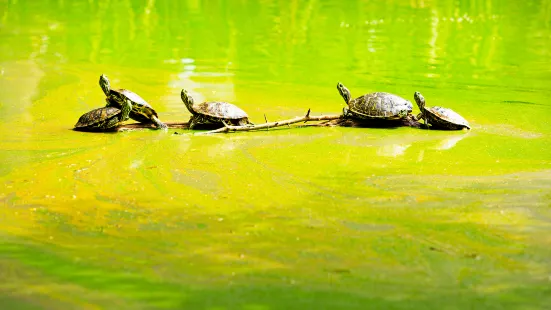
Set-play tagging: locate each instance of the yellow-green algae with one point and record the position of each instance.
(320, 218)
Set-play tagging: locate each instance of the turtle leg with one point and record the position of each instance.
(226, 124)
(345, 112)
(126, 109)
(113, 122)
(245, 122)
(158, 123)
(192, 122)
(421, 116)
(426, 122)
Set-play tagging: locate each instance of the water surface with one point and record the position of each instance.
(287, 219)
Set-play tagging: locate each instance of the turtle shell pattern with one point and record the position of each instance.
(446, 118)
(217, 111)
(380, 105)
(105, 117)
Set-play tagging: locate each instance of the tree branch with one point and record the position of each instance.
(306, 118)
(408, 121)
(324, 121)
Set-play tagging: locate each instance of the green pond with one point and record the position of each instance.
(291, 218)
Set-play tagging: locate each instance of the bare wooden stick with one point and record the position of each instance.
(306, 118)
(266, 120)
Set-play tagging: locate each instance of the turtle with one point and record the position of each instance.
(438, 117)
(141, 110)
(214, 112)
(375, 106)
(103, 118)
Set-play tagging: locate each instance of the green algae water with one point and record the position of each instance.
(307, 218)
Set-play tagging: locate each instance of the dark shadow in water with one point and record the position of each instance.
(390, 124)
(300, 297)
(423, 126)
(95, 130)
(520, 102)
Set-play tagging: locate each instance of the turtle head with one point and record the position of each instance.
(104, 84)
(345, 93)
(420, 100)
(188, 101)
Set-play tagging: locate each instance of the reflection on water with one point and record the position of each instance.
(22, 79)
(392, 150)
(450, 142)
(283, 218)
(399, 149)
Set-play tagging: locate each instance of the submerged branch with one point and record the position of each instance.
(306, 118)
(171, 125)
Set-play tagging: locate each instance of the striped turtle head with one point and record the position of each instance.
(345, 93)
(188, 101)
(104, 84)
(420, 100)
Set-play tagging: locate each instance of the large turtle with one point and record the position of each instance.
(141, 110)
(214, 112)
(438, 117)
(103, 118)
(375, 106)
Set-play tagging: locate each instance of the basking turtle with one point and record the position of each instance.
(375, 106)
(215, 112)
(439, 117)
(103, 118)
(141, 110)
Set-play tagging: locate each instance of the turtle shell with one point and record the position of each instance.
(135, 98)
(446, 118)
(141, 110)
(217, 109)
(96, 116)
(380, 105)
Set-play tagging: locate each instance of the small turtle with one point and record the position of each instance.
(215, 112)
(103, 118)
(141, 110)
(438, 117)
(375, 106)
